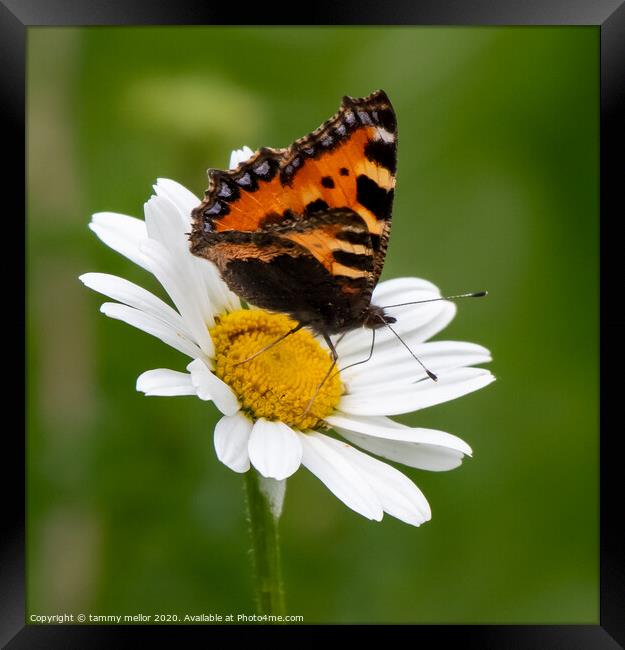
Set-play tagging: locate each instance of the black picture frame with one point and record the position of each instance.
(609, 15)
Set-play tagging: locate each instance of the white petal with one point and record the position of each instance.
(386, 429)
(430, 327)
(339, 475)
(239, 156)
(398, 365)
(211, 285)
(403, 398)
(398, 290)
(217, 291)
(128, 236)
(275, 449)
(165, 383)
(210, 387)
(178, 194)
(121, 233)
(154, 326)
(134, 296)
(429, 457)
(231, 437)
(165, 224)
(397, 494)
(186, 293)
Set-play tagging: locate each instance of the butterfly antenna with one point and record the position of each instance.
(335, 357)
(429, 373)
(473, 294)
(267, 347)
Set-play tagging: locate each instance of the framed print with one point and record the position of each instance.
(249, 400)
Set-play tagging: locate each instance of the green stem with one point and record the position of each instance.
(265, 548)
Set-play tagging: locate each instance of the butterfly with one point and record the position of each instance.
(303, 230)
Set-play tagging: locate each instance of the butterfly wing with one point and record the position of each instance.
(304, 230)
(348, 162)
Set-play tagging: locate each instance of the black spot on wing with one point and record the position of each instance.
(354, 260)
(327, 181)
(316, 206)
(344, 171)
(373, 197)
(382, 154)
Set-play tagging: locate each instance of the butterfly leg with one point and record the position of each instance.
(270, 345)
(357, 363)
(335, 357)
(333, 351)
(340, 338)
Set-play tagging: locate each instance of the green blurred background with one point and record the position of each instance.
(129, 510)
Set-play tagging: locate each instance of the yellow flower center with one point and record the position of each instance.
(279, 383)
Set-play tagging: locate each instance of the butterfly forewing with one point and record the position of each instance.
(325, 202)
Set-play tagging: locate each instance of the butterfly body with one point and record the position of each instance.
(304, 230)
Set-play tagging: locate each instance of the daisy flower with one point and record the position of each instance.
(266, 423)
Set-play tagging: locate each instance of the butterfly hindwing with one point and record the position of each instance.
(318, 270)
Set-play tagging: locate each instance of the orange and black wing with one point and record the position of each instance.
(348, 163)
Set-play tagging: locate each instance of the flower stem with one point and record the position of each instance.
(263, 522)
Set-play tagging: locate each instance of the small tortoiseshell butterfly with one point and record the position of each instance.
(304, 230)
